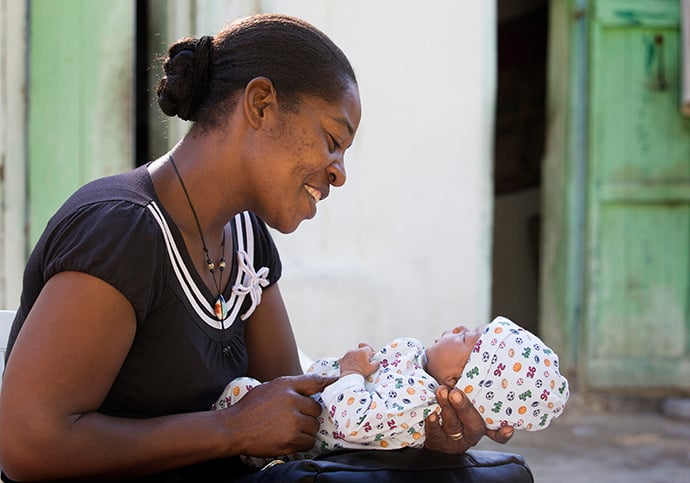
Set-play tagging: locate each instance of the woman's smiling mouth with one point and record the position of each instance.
(314, 193)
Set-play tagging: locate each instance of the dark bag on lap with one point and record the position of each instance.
(400, 466)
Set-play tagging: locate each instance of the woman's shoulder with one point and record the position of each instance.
(107, 229)
(111, 215)
(134, 186)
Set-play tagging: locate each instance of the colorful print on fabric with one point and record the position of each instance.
(386, 410)
(512, 378)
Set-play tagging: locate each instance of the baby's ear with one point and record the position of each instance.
(450, 382)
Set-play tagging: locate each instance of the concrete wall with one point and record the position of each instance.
(404, 248)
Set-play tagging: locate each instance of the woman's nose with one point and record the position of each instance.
(336, 173)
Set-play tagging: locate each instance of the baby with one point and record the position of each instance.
(381, 399)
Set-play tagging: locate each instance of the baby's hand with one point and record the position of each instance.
(357, 361)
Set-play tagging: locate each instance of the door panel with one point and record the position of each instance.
(638, 265)
(80, 98)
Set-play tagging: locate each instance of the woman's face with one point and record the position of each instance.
(304, 156)
(447, 357)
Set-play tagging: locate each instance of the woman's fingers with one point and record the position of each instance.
(502, 435)
(459, 426)
(308, 384)
(470, 420)
(438, 440)
(282, 412)
(446, 432)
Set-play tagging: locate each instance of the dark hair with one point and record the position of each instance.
(201, 75)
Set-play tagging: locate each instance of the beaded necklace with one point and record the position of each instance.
(220, 306)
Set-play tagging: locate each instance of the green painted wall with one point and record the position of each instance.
(80, 98)
(615, 290)
(638, 297)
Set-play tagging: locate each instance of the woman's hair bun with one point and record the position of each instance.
(183, 87)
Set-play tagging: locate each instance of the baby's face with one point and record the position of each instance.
(449, 354)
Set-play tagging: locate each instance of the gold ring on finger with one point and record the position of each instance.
(457, 436)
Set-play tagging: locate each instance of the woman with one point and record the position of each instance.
(150, 290)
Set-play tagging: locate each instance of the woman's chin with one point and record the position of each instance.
(287, 227)
(287, 222)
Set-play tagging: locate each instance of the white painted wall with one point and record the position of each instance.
(404, 247)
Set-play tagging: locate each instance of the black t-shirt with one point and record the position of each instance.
(115, 229)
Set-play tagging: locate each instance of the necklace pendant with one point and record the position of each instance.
(221, 308)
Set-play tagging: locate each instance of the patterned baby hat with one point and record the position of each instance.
(512, 378)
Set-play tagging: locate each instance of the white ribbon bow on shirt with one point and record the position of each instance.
(255, 281)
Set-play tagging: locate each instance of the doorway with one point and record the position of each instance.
(518, 151)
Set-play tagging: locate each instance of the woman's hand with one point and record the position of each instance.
(358, 361)
(277, 417)
(462, 426)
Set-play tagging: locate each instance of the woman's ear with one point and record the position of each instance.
(259, 98)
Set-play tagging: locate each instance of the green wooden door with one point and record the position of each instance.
(637, 306)
(80, 98)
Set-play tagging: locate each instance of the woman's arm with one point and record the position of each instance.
(61, 368)
(270, 341)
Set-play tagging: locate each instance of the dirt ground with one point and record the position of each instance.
(607, 441)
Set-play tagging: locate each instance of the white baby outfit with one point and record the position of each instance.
(511, 378)
(384, 411)
(387, 409)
